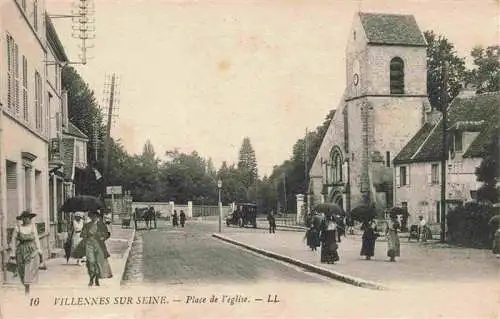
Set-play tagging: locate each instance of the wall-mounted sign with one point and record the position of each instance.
(113, 190)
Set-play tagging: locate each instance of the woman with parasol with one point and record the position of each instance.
(329, 244)
(94, 234)
(26, 248)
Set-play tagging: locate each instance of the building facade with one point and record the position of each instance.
(384, 104)
(473, 121)
(24, 121)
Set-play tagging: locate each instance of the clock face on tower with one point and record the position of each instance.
(355, 79)
(355, 72)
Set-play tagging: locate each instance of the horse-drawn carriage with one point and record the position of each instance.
(143, 214)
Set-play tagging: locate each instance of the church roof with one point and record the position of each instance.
(75, 131)
(392, 29)
(480, 110)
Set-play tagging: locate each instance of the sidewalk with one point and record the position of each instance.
(62, 275)
(430, 263)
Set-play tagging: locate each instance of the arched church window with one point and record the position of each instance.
(336, 173)
(397, 76)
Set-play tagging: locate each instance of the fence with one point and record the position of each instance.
(165, 209)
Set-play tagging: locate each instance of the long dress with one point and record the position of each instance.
(392, 239)
(76, 237)
(329, 244)
(368, 240)
(26, 244)
(96, 251)
(313, 240)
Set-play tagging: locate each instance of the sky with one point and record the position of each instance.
(202, 75)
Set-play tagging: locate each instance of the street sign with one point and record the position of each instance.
(114, 190)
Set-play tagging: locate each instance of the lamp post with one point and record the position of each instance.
(219, 187)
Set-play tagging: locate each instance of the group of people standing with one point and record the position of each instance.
(86, 241)
(175, 219)
(325, 232)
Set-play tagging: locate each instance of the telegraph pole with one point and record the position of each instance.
(110, 96)
(444, 155)
(306, 174)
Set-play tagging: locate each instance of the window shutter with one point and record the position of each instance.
(397, 168)
(408, 175)
(429, 174)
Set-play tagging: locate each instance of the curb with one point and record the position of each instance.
(319, 270)
(284, 228)
(125, 257)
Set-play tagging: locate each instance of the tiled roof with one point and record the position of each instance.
(427, 144)
(75, 131)
(68, 146)
(395, 29)
(414, 144)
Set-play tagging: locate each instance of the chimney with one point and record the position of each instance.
(65, 116)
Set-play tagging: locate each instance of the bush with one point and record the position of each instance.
(468, 224)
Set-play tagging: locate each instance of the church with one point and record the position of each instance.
(383, 106)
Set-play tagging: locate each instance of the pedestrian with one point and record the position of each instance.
(175, 219)
(182, 218)
(75, 237)
(391, 232)
(496, 242)
(312, 237)
(328, 237)
(349, 222)
(423, 229)
(370, 234)
(272, 222)
(26, 249)
(340, 227)
(94, 235)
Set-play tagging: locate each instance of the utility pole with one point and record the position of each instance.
(444, 155)
(110, 96)
(284, 190)
(306, 174)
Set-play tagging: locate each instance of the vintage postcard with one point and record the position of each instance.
(249, 159)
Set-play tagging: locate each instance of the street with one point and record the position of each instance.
(170, 256)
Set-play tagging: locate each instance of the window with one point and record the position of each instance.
(388, 159)
(346, 130)
(12, 74)
(397, 76)
(434, 179)
(77, 154)
(336, 174)
(12, 193)
(23, 4)
(457, 142)
(354, 35)
(27, 188)
(25, 90)
(438, 212)
(38, 101)
(402, 176)
(35, 14)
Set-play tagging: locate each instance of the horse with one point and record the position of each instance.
(147, 214)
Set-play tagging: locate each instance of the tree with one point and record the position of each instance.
(83, 109)
(247, 162)
(488, 172)
(439, 50)
(485, 73)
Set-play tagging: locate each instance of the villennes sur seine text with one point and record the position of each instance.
(157, 300)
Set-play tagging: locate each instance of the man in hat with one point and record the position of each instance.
(26, 248)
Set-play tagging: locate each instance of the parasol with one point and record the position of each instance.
(394, 211)
(494, 221)
(363, 213)
(82, 203)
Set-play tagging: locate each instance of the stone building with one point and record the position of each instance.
(383, 106)
(24, 118)
(472, 122)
